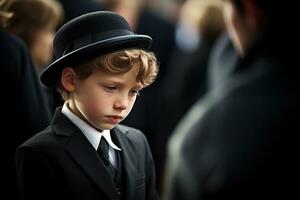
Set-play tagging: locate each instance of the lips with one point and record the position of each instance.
(116, 116)
(114, 119)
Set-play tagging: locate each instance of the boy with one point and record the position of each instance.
(101, 68)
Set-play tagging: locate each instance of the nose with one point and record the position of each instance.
(121, 102)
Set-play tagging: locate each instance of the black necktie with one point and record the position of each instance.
(103, 153)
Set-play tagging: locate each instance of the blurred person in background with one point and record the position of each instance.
(199, 26)
(35, 22)
(222, 61)
(240, 140)
(24, 110)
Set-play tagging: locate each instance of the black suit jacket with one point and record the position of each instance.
(240, 141)
(23, 105)
(60, 163)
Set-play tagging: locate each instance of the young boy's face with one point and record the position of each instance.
(105, 99)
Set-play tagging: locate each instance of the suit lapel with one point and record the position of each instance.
(80, 149)
(128, 160)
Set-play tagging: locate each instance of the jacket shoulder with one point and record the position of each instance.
(127, 129)
(43, 138)
(131, 133)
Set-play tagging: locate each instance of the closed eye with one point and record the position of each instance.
(110, 88)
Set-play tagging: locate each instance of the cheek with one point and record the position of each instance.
(94, 106)
(89, 98)
(130, 105)
(232, 24)
(228, 16)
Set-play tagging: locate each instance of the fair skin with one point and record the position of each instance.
(103, 99)
(242, 27)
(41, 48)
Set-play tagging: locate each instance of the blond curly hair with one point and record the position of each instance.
(4, 13)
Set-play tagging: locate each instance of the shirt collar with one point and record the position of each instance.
(93, 135)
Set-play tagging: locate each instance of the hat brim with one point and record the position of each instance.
(51, 75)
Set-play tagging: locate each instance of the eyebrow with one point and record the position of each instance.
(138, 85)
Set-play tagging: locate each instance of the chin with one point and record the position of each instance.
(106, 126)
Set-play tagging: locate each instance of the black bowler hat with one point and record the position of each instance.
(87, 36)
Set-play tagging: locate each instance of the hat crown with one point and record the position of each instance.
(88, 36)
(87, 29)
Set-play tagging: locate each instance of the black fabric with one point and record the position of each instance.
(119, 184)
(240, 141)
(102, 151)
(23, 105)
(119, 179)
(60, 163)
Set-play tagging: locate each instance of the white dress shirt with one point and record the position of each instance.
(93, 135)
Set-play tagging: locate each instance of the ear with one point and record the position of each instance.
(254, 13)
(68, 79)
